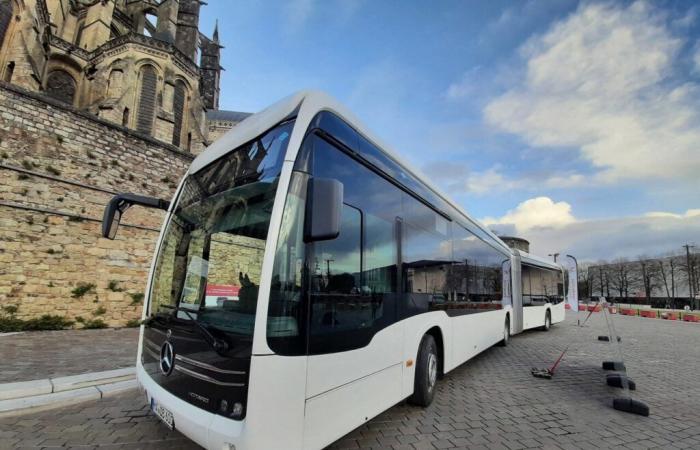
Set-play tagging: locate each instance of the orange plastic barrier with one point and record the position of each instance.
(628, 312)
(582, 307)
(648, 313)
(691, 318)
(669, 316)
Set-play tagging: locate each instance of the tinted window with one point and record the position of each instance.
(286, 327)
(353, 287)
(541, 285)
(477, 273)
(427, 256)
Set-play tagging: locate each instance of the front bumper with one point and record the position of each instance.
(211, 431)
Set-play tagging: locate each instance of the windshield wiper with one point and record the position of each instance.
(219, 345)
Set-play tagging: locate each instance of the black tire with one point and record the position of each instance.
(506, 333)
(547, 321)
(427, 370)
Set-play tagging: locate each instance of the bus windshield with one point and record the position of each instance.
(210, 259)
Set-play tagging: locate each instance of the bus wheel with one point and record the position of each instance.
(427, 369)
(547, 321)
(506, 334)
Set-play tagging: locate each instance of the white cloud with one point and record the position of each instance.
(602, 80)
(457, 178)
(539, 212)
(551, 227)
(688, 213)
(465, 87)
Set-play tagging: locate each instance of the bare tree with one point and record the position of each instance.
(620, 278)
(664, 277)
(585, 282)
(649, 276)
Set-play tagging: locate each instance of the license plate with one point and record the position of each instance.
(162, 413)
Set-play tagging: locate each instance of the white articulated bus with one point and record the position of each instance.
(305, 280)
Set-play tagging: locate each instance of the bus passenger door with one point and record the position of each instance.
(354, 366)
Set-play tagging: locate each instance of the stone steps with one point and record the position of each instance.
(35, 395)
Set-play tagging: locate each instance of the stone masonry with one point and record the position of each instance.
(59, 166)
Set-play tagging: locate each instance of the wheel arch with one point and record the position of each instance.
(436, 333)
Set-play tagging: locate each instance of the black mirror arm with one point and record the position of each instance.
(120, 203)
(126, 200)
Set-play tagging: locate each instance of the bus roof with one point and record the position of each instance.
(310, 103)
(533, 260)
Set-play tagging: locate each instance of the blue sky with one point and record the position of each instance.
(573, 124)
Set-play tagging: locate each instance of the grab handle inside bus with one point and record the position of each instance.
(324, 206)
(119, 204)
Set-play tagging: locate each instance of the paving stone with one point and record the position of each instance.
(491, 402)
(48, 354)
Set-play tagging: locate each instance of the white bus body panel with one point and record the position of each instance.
(474, 333)
(558, 312)
(533, 316)
(344, 389)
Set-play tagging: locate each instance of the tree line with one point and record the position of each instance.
(671, 281)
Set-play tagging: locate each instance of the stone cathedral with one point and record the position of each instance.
(142, 64)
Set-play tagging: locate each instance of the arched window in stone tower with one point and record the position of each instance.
(179, 99)
(61, 86)
(147, 100)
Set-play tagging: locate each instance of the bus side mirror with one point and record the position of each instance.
(119, 204)
(324, 205)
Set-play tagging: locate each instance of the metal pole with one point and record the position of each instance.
(691, 286)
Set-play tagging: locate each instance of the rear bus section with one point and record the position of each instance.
(543, 290)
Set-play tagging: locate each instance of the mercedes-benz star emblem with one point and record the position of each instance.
(167, 358)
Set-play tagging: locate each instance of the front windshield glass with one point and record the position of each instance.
(212, 252)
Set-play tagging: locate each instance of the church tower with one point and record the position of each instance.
(211, 70)
(142, 64)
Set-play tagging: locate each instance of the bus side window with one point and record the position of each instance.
(477, 273)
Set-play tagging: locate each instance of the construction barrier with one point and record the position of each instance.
(669, 316)
(641, 312)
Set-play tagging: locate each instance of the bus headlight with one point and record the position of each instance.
(237, 412)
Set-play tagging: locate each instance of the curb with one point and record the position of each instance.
(38, 395)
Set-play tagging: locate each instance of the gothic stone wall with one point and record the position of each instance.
(58, 168)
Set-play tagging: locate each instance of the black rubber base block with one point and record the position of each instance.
(619, 380)
(614, 365)
(541, 373)
(607, 338)
(631, 406)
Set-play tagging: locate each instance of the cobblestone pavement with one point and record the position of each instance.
(48, 354)
(490, 402)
